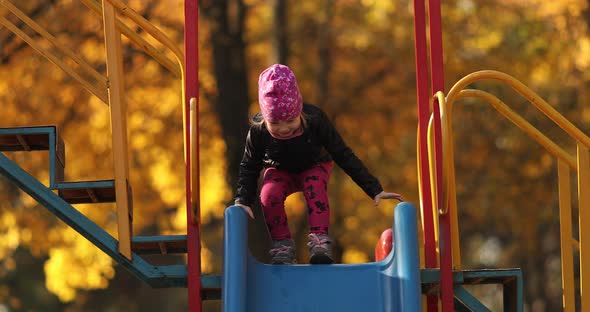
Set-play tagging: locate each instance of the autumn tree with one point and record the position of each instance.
(355, 60)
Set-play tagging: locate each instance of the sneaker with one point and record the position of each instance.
(283, 252)
(320, 249)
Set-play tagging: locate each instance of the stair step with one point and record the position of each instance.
(99, 191)
(431, 278)
(159, 245)
(37, 138)
(22, 142)
(25, 138)
(491, 276)
(211, 286)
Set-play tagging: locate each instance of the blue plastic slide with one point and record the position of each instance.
(392, 284)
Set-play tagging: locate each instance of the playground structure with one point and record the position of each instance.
(393, 283)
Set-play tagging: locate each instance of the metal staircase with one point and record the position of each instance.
(59, 196)
(46, 138)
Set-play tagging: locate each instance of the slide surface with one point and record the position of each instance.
(392, 284)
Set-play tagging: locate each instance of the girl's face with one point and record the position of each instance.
(284, 128)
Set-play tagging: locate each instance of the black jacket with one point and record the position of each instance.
(320, 142)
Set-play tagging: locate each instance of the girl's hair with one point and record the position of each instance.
(259, 123)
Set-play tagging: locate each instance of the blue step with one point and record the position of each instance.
(159, 245)
(37, 138)
(211, 286)
(176, 276)
(46, 138)
(99, 191)
(511, 280)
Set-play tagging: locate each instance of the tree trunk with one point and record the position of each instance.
(280, 38)
(231, 105)
(325, 58)
(227, 24)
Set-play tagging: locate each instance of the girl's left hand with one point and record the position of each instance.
(386, 195)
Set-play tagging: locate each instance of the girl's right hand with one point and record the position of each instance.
(247, 209)
(387, 195)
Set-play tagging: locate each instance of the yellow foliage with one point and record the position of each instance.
(540, 73)
(9, 234)
(214, 189)
(77, 265)
(484, 41)
(206, 259)
(91, 53)
(586, 114)
(379, 11)
(582, 57)
(179, 219)
(351, 223)
(171, 189)
(354, 256)
(554, 8)
(295, 204)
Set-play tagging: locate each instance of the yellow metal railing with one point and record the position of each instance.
(95, 6)
(108, 89)
(194, 160)
(110, 9)
(85, 74)
(566, 162)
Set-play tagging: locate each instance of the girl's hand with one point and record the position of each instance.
(385, 195)
(247, 209)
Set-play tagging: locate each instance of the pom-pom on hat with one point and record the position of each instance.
(278, 94)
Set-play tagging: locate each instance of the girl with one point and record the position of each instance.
(297, 145)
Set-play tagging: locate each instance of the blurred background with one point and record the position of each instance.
(354, 59)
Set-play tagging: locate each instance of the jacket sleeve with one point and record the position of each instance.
(345, 157)
(250, 168)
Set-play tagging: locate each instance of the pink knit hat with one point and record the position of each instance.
(278, 94)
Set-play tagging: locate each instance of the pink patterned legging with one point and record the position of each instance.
(278, 184)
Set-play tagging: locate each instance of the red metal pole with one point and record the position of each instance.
(193, 227)
(437, 79)
(423, 98)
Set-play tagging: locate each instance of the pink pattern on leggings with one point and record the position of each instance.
(278, 184)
